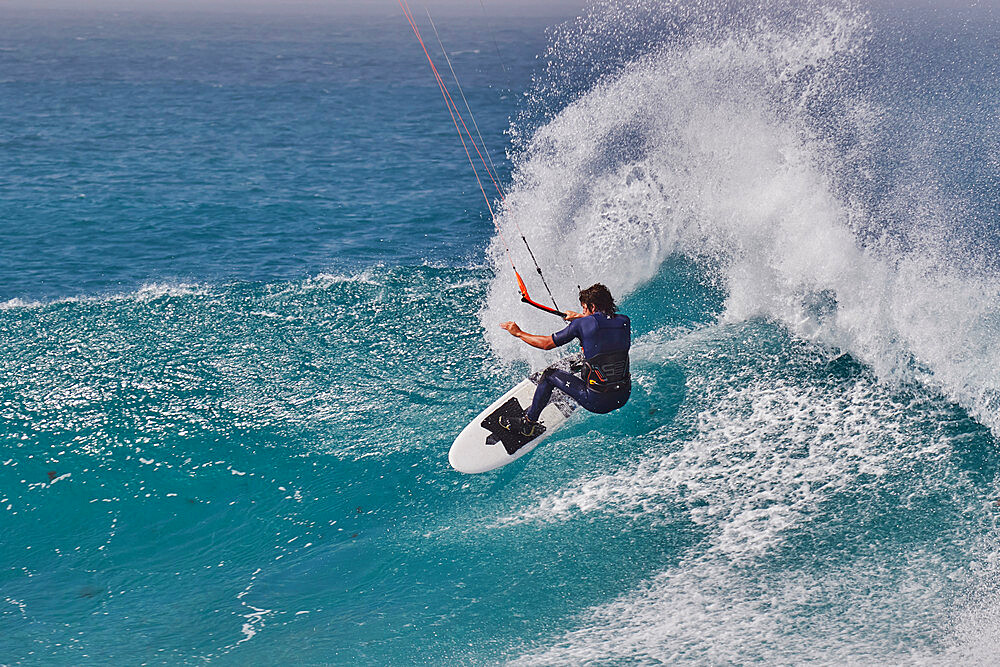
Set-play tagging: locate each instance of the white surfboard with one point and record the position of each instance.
(484, 445)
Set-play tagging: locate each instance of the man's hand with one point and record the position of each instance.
(571, 315)
(512, 328)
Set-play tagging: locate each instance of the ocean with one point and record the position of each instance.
(250, 292)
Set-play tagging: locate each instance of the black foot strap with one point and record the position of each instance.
(512, 440)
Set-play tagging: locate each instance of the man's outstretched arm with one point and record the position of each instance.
(534, 340)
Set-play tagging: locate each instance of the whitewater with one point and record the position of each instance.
(229, 383)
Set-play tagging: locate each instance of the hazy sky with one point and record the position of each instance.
(493, 7)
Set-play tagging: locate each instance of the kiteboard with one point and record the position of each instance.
(485, 445)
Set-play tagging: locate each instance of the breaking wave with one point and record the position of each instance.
(751, 149)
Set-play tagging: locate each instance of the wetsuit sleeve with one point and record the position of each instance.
(560, 338)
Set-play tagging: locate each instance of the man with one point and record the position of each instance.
(605, 383)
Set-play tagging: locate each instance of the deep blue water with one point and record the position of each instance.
(249, 294)
(139, 147)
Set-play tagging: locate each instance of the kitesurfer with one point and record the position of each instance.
(604, 383)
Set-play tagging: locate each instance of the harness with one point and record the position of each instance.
(607, 372)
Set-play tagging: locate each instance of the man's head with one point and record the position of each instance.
(598, 299)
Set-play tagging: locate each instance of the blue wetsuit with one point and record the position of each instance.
(599, 334)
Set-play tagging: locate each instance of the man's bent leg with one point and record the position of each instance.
(543, 392)
(555, 379)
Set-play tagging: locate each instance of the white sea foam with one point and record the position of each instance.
(705, 149)
(147, 292)
(325, 280)
(11, 304)
(708, 611)
(976, 636)
(761, 461)
(151, 291)
(762, 458)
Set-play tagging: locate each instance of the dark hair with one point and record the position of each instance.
(598, 297)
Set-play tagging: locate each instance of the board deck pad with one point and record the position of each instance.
(512, 441)
(485, 445)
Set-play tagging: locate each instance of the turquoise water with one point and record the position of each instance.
(250, 295)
